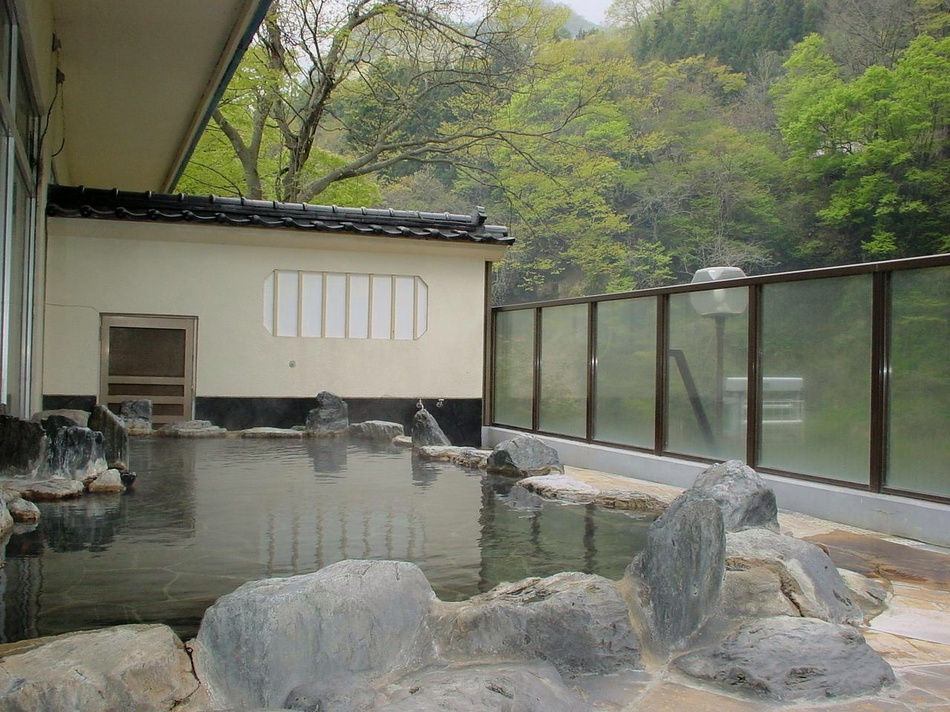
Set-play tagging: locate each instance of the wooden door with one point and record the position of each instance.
(149, 358)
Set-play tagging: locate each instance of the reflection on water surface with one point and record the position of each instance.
(205, 516)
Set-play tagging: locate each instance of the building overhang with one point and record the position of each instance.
(140, 80)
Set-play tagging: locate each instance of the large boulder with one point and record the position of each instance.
(316, 637)
(742, 495)
(137, 416)
(330, 417)
(73, 452)
(679, 573)
(578, 622)
(425, 431)
(6, 516)
(806, 575)
(791, 659)
(22, 447)
(55, 488)
(375, 430)
(524, 456)
(23, 511)
(109, 481)
(133, 667)
(532, 687)
(114, 434)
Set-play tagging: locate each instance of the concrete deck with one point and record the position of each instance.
(913, 634)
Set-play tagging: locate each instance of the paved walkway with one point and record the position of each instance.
(913, 634)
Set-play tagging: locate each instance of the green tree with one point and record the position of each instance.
(871, 153)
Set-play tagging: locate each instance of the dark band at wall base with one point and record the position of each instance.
(460, 418)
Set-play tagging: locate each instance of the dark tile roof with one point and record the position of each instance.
(76, 202)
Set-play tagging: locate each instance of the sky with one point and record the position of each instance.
(593, 10)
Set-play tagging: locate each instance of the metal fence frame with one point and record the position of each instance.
(880, 363)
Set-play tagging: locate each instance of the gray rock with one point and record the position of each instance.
(6, 517)
(742, 495)
(790, 659)
(72, 452)
(524, 456)
(23, 511)
(425, 430)
(192, 429)
(754, 593)
(375, 430)
(133, 667)
(680, 571)
(330, 417)
(469, 457)
(577, 622)
(50, 490)
(114, 434)
(78, 417)
(566, 488)
(272, 433)
(871, 596)
(137, 416)
(108, 482)
(23, 447)
(313, 634)
(478, 688)
(403, 441)
(807, 576)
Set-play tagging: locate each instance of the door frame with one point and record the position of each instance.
(188, 324)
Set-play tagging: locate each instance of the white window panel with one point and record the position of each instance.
(405, 308)
(382, 306)
(335, 308)
(359, 306)
(422, 307)
(269, 302)
(287, 301)
(311, 322)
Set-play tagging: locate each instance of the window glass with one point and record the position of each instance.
(919, 407)
(514, 369)
(422, 307)
(359, 306)
(816, 377)
(562, 406)
(382, 306)
(336, 306)
(287, 300)
(311, 321)
(405, 307)
(626, 372)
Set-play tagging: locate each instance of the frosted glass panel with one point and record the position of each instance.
(382, 307)
(269, 302)
(312, 317)
(919, 444)
(287, 295)
(626, 372)
(422, 307)
(514, 372)
(405, 307)
(336, 306)
(816, 367)
(359, 306)
(563, 399)
(707, 362)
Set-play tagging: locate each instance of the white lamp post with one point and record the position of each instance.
(719, 304)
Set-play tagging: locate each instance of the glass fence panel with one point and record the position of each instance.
(562, 406)
(919, 406)
(514, 372)
(625, 388)
(709, 336)
(816, 385)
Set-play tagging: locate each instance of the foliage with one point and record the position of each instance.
(872, 152)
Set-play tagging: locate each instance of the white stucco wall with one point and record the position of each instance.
(217, 275)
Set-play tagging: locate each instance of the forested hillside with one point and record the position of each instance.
(767, 134)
